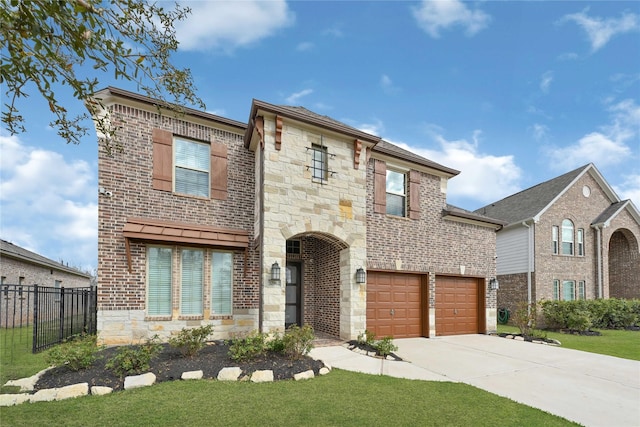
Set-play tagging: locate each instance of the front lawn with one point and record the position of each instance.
(618, 343)
(338, 399)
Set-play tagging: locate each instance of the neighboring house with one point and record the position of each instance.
(568, 238)
(291, 218)
(21, 267)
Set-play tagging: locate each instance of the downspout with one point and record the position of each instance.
(599, 258)
(529, 293)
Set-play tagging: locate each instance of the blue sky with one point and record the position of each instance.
(510, 93)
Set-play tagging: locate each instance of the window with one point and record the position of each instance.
(221, 283)
(556, 290)
(319, 165)
(159, 261)
(293, 247)
(581, 290)
(554, 239)
(57, 285)
(191, 281)
(567, 237)
(568, 290)
(580, 242)
(396, 193)
(20, 281)
(192, 167)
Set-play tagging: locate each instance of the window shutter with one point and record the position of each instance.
(379, 186)
(218, 171)
(162, 160)
(414, 194)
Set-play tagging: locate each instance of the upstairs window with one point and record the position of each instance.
(319, 165)
(580, 239)
(396, 193)
(567, 237)
(554, 239)
(191, 167)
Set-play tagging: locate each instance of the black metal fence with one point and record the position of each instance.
(45, 315)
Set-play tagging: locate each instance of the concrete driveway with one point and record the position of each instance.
(588, 388)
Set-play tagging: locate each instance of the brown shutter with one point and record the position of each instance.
(414, 194)
(379, 186)
(162, 160)
(218, 171)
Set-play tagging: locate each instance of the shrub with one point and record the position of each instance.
(276, 343)
(367, 337)
(385, 346)
(77, 352)
(583, 314)
(190, 341)
(248, 347)
(525, 318)
(298, 341)
(134, 359)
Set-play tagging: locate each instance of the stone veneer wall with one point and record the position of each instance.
(294, 205)
(431, 244)
(128, 175)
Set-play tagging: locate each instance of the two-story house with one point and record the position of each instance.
(567, 238)
(290, 218)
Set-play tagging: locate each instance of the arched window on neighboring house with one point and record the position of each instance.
(567, 237)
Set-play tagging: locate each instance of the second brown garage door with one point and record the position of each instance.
(457, 306)
(394, 304)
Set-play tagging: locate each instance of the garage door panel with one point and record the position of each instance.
(456, 305)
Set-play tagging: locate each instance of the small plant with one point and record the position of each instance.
(135, 359)
(525, 318)
(298, 341)
(276, 343)
(77, 352)
(385, 346)
(248, 347)
(191, 341)
(367, 337)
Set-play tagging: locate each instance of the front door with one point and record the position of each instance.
(292, 314)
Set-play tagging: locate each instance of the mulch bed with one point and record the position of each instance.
(170, 364)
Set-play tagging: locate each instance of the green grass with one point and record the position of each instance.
(16, 359)
(340, 398)
(618, 343)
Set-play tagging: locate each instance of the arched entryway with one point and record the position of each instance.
(313, 278)
(624, 265)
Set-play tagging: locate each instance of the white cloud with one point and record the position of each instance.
(600, 30)
(434, 16)
(540, 132)
(591, 148)
(630, 189)
(49, 204)
(295, 97)
(387, 84)
(375, 128)
(228, 25)
(484, 177)
(545, 81)
(304, 46)
(333, 32)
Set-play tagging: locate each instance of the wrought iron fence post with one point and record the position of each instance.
(61, 337)
(35, 319)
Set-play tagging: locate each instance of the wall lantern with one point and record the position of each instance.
(493, 284)
(361, 276)
(275, 272)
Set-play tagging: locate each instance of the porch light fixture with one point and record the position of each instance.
(275, 272)
(494, 284)
(361, 276)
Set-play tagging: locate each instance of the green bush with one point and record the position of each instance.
(367, 337)
(276, 343)
(135, 359)
(190, 341)
(77, 352)
(584, 314)
(248, 347)
(298, 341)
(385, 346)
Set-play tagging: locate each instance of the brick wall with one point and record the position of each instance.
(624, 261)
(128, 176)
(12, 269)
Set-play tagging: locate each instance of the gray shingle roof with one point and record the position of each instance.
(609, 213)
(463, 213)
(395, 151)
(14, 251)
(530, 202)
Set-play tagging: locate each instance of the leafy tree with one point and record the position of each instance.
(48, 43)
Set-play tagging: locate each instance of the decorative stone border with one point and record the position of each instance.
(130, 382)
(519, 337)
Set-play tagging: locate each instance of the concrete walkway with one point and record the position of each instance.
(588, 388)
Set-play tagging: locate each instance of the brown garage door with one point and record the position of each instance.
(394, 304)
(457, 305)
